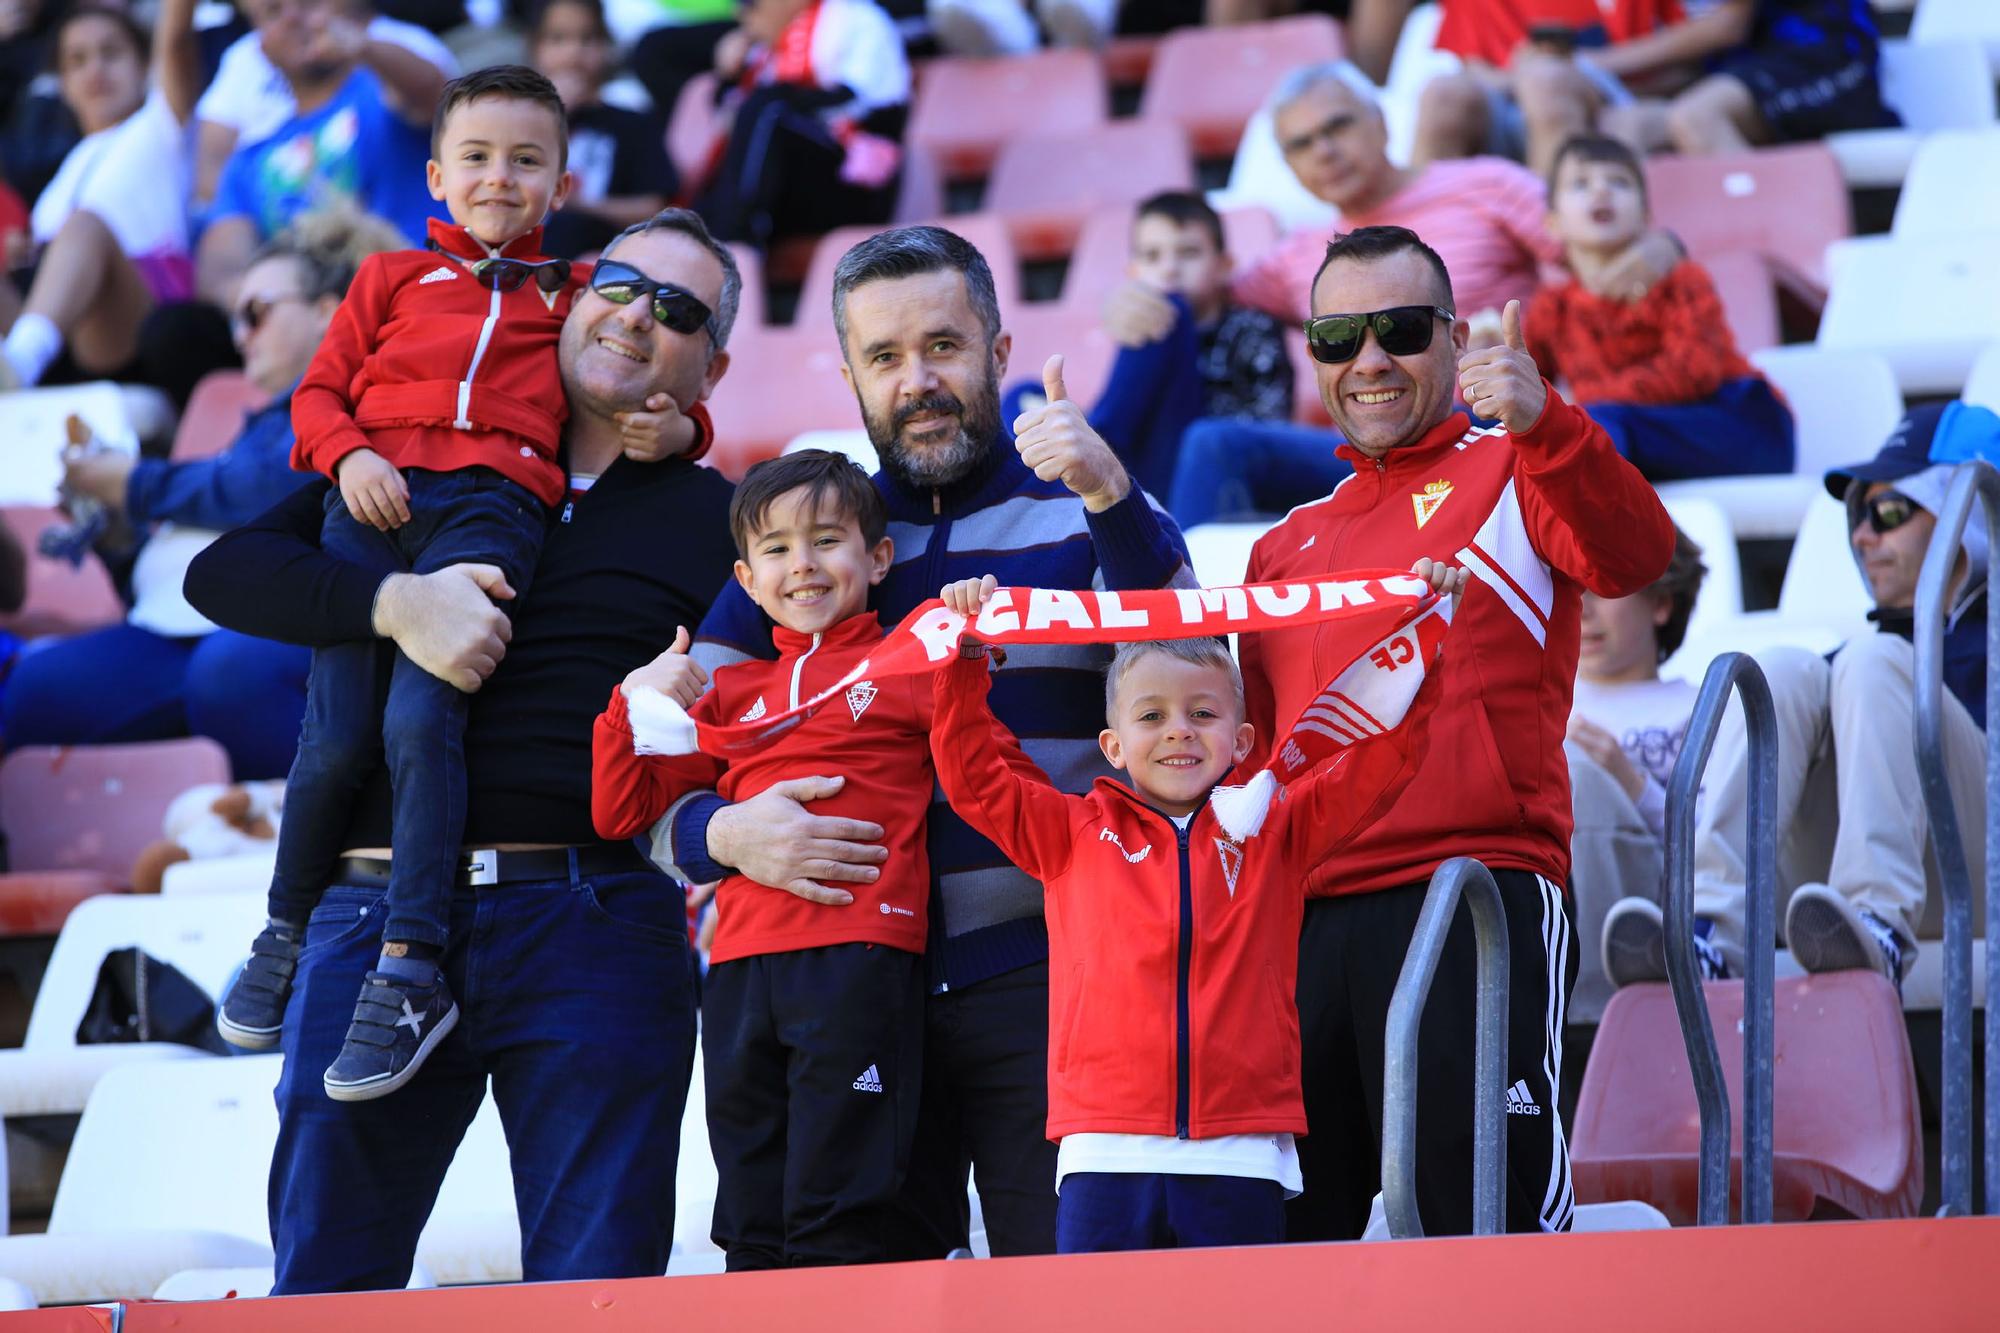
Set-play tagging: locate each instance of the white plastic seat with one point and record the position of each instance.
(1927, 306)
(32, 433)
(1220, 552)
(853, 443)
(1954, 182)
(246, 872)
(1933, 86)
(1982, 384)
(1975, 21)
(1707, 525)
(1617, 1215)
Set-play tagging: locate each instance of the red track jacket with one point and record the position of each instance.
(1537, 518)
(878, 738)
(431, 370)
(1173, 954)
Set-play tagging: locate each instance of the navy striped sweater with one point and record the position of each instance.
(986, 916)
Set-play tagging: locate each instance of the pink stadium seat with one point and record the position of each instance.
(750, 311)
(1749, 300)
(691, 130)
(984, 230)
(1786, 203)
(62, 598)
(1042, 330)
(1104, 247)
(1210, 81)
(1048, 184)
(1127, 60)
(920, 195)
(214, 414)
(965, 109)
(1848, 1137)
(1307, 409)
(781, 383)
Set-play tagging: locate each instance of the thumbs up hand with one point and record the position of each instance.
(1501, 383)
(1057, 442)
(673, 673)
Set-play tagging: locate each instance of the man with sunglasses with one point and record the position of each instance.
(1538, 509)
(568, 953)
(1853, 834)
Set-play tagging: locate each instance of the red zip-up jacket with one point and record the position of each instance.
(1173, 953)
(877, 737)
(430, 369)
(1536, 518)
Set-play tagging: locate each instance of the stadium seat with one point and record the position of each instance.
(1048, 184)
(1259, 178)
(1307, 407)
(246, 872)
(781, 383)
(62, 598)
(1040, 331)
(966, 109)
(1976, 21)
(1104, 249)
(1953, 185)
(1929, 306)
(1127, 60)
(1743, 283)
(1416, 62)
(1787, 204)
(1848, 1132)
(1933, 86)
(95, 807)
(1707, 525)
(985, 230)
(691, 130)
(214, 414)
(1982, 385)
(1220, 552)
(32, 434)
(853, 443)
(750, 308)
(1210, 81)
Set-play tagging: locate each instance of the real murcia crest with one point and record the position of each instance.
(860, 695)
(1232, 862)
(1427, 501)
(1133, 858)
(756, 711)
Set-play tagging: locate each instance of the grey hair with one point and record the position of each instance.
(1205, 652)
(326, 247)
(688, 223)
(1309, 78)
(907, 252)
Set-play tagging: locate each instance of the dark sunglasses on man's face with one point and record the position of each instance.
(250, 316)
(675, 307)
(1402, 330)
(1890, 510)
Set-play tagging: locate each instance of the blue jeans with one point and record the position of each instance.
(1230, 468)
(122, 683)
(474, 514)
(575, 997)
(1743, 428)
(1148, 1210)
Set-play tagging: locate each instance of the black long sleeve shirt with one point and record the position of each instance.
(644, 551)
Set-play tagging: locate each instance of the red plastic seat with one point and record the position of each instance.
(62, 598)
(1749, 298)
(750, 308)
(986, 231)
(1787, 204)
(1104, 247)
(691, 130)
(215, 413)
(781, 383)
(1210, 81)
(1041, 330)
(1848, 1136)
(1047, 185)
(965, 109)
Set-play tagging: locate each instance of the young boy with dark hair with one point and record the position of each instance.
(1174, 1083)
(1661, 374)
(1186, 350)
(436, 405)
(813, 1013)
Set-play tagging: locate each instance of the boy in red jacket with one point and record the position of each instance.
(1173, 949)
(812, 1028)
(437, 406)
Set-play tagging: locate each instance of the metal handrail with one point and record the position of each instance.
(1459, 877)
(1739, 673)
(1955, 878)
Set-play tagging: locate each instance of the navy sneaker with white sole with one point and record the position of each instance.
(252, 1015)
(396, 1027)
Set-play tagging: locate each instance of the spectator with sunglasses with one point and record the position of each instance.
(1540, 509)
(436, 405)
(1853, 833)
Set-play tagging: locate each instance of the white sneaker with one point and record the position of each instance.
(1634, 946)
(1827, 933)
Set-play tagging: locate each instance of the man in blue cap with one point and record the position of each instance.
(1852, 830)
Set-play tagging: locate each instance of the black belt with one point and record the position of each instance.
(486, 867)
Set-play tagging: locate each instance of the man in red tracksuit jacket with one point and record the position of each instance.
(1537, 509)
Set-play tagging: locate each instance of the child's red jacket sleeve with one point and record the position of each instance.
(991, 783)
(628, 791)
(323, 404)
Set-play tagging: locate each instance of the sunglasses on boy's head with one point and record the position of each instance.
(675, 307)
(1890, 510)
(506, 275)
(1402, 330)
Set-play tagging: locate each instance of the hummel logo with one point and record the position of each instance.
(870, 1080)
(444, 274)
(1106, 835)
(411, 1019)
(1308, 541)
(1232, 862)
(756, 711)
(1520, 1101)
(860, 696)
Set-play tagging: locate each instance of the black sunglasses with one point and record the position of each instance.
(250, 316)
(1890, 510)
(1402, 330)
(675, 307)
(506, 275)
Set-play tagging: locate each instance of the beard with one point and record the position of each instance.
(933, 465)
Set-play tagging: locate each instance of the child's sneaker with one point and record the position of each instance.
(1827, 933)
(252, 1015)
(1635, 944)
(396, 1027)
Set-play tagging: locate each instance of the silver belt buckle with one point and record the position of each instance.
(482, 867)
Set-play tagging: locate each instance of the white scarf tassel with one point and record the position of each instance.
(1241, 810)
(659, 724)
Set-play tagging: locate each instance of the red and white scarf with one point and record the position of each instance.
(1390, 620)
